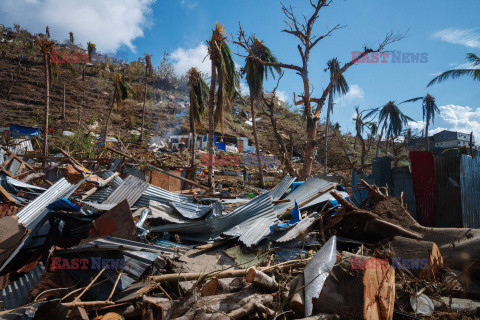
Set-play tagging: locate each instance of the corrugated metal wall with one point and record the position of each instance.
(359, 194)
(423, 173)
(470, 191)
(403, 182)
(448, 212)
(382, 172)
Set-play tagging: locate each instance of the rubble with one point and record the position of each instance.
(101, 242)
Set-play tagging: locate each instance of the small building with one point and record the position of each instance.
(227, 143)
(447, 139)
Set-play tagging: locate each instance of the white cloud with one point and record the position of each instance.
(184, 59)
(282, 95)
(109, 23)
(354, 94)
(244, 90)
(457, 118)
(189, 4)
(466, 37)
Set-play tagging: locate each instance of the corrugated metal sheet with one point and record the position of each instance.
(20, 147)
(470, 191)
(282, 187)
(403, 182)
(35, 210)
(191, 210)
(130, 189)
(423, 173)
(160, 195)
(359, 194)
(16, 293)
(234, 223)
(138, 258)
(165, 213)
(296, 230)
(323, 198)
(307, 190)
(102, 194)
(31, 215)
(448, 212)
(382, 172)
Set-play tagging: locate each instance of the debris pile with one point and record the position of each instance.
(100, 242)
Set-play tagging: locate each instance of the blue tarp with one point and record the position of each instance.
(296, 218)
(220, 145)
(65, 205)
(19, 131)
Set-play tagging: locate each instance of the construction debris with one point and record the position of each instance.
(99, 241)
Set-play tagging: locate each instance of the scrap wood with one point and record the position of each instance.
(6, 195)
(105, 183)
(367, 292)
(230, 273)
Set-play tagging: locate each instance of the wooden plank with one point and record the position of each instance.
(6, 195)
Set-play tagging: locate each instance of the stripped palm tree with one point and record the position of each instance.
(340, 87)
(121, 91)
(72, 39)
(46, 47)
(255, 73)
(429, 108)
(473, 71)
(148, 71)
(222, 68)
(198, 101)
(390, 118)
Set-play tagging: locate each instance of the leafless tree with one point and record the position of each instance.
(302, 29)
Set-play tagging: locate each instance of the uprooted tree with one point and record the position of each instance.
(303, 31)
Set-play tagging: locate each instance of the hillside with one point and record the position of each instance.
(88, 101)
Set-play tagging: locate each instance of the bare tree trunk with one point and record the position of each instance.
(144, 104)
(380, 139)
(63, 106)
(309, 148)
(83, 72)
(194, 139)
(426, 135)
(211, 127)
(327, 124)
(105, 132)
(47, 103)
(388, 140)
(257, 147)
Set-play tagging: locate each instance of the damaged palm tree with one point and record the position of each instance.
(255, 73)
(46, 46)
(340, 87)
(198, 100)
(223, 68)
(148, 72)
(121, 91)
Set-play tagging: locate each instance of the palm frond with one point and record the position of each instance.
(456, 73)
(411, 100)
(473, 58)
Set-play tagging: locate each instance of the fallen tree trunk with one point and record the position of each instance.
(388, 218)
(422, 258)
(358, 288)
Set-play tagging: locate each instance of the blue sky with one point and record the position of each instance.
(445, 30)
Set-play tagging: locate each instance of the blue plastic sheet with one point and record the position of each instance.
(64, 205)
(19, 131)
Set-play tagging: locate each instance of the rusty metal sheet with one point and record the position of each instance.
(470, 191)
(423, 174)
(448, 211)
